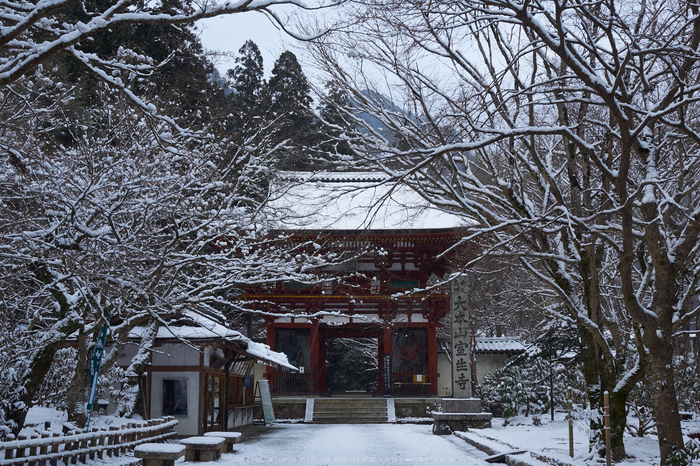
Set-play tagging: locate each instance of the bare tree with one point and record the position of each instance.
(568, 132)
(112, 206)
(117, 227)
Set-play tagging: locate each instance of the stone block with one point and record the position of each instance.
(461, 405)
(446, 423)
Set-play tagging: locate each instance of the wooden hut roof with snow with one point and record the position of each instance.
(199, 371)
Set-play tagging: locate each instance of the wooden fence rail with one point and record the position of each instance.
(79, 447)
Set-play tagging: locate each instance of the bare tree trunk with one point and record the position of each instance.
(31, 383)
(668, 420)
(594, 370)
(42, 360)
(77, 396)
(138, 364)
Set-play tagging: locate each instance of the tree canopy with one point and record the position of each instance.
(568, 134)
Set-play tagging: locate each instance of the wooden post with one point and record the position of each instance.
(551, 389)
(126, 438)
(270, 371)
(44, 449)
(20, 451)
(112, 441)
(571, 422)
(432, 358)
(93, 442)
(102, 443)
(9, 454)
(32, 450)
(388, 342)
(606, 407)
(380, 346)
(54, 448)
(75, 447)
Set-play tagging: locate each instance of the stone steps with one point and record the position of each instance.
(350, 411)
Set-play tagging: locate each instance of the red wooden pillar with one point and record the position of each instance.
(432, 358)
(380, 353)
(315, 357)
(322, 361)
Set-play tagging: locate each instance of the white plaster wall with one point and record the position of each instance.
(175, 354)
(258, 372)
(128, 353)
(444, 368)
(486, 363)
(187, 425)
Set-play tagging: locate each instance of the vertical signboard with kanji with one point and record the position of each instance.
(386, 374)
(461, 337)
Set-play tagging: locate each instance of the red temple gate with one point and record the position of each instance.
(383, 293)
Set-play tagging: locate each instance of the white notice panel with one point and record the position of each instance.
(266, 399)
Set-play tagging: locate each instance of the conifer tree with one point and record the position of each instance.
(249, 88)
(296, 126)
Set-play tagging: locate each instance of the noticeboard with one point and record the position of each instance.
(386, 374)
(266, 399)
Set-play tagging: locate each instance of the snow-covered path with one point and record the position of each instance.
(330, 444)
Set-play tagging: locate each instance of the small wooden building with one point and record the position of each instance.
(202, 373)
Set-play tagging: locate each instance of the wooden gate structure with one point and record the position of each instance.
(393, 251)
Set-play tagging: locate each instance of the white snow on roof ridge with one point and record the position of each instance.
(354, 201)
(207, 328)
(259, 350)
(498, 344)
(328, 176)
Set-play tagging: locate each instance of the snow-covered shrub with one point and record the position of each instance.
(511, 391)
(57, 380)
(641, 406)
(688, 455)
(530, 379)
(687, 377)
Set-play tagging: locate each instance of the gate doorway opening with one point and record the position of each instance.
(352, 366)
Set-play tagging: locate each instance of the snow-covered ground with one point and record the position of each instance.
(551, 439)
(328, 444)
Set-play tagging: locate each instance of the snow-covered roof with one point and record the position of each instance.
(353, 201)
(206, 329)
(498, 345)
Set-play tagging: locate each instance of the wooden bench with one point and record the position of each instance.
(203, 448)
(232, 438)
(159, 454)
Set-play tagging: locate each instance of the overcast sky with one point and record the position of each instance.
(228, 33)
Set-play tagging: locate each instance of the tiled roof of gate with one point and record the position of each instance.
(498, 345)
(353, 201)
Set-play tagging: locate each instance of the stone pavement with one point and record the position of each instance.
(332, 444)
